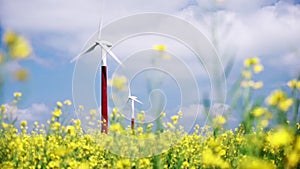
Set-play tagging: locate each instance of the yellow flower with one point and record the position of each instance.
(257, 112)
(68, 102)
(59, 104)
(55, 126)
(54, 164)
(298, 85)
(84, 165)
(281, 137)
(36, 124)
(285, 105)
(256, 163)
(219, 120)
(258, 85)
(174, 119)
(292, 84)
(1, 57)
(163, 114)
(3, 109)
(93, 112)
(170, 125)
(211, 159)
(21, 75)
(276, 97)
(80, 107)
(293, 159)
(57, 113)
(144, 163)
(252, 84)
(71, 130)
(244, 84)
(180, 113)
(251, 61)
(141, 116)
(150, 125)
(185, 164)
(24, 123)
(297, 144)
(118, 82)
(140, 129)
(77, 123)
(18, 46)
(123, 164)
(160, 47)
(264, 123)
(17, 94)
(258, 68)
(246, 74)
(115, 110)
(4, 125)
(9, 37)
(116, 128)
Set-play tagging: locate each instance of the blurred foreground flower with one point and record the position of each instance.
(294, 84)
(18, 46)
(1, 57)
(279, 99)
(21, 74)
(118, 82)
(251, 61)
(256, 163)
(219, 121)
(257, 112)
(280, 137)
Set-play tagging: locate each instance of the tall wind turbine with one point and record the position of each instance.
(133, 99)
(105, 49)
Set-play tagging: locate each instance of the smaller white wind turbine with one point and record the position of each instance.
(133, 99)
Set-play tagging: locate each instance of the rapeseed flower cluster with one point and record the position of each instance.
(59, 144)
(67, 146)
(251, 66)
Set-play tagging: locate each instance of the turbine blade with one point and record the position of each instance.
(111, 54)
(129, 93)
(100, 28)
(100, 21)
(84, 52)
(135, 99)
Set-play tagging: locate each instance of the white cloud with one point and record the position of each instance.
(267, 29)
(36, 112)
(68, 24)
(242, 6)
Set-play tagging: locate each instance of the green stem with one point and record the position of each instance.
(296, 107)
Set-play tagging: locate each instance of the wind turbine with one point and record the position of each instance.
(133, 99)
(105, 48)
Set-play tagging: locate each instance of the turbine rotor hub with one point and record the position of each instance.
(106, 43)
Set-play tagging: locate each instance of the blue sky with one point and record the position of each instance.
(58, 31)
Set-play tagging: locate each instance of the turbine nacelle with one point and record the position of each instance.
(134, 98)
(104, 43)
